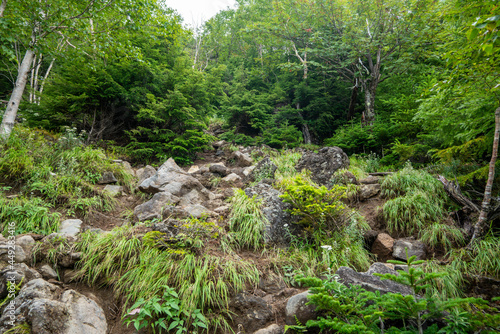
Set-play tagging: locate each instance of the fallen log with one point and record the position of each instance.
(381, 173)
(453, 190)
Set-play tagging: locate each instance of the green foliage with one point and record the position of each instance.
(442, 236)
(120, 259)
(23, 328)
(165, 314)
(30, 215)
(408, 180)
(482, 260)
(247, 220)
(353, 309)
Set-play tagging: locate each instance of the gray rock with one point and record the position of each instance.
(370, 180)
(19, 272)
(415, 247)
(27, 243)
(242, 160)
(231, 178)
(273, 208)
(69, 260)
(20, 255)
(218, 169)
(367, 191)
(196, 211)
(296, 309)
(219, 143)
(273, 329)
(38, 303)
(107, 178)
(193, 169)
(69, 275)
(265, 169)
(323, 164)
(128, 168)
(248, 170)
(70, 227)
(155, 207)
(113, 191)
(48, 272)
(170, 178)
(145, 173)
(370, 282)
(252, 312)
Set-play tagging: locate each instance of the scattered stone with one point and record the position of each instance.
(193, 169)
(383, 246)
(220, 153)
(128, 168)
(253, 313)
(248, 170)
(345, 178)
(195, 210)
(27, 243)
(48, 272)
(223, 210)
(371, 180)
(367, 191)
(107, 178)
(274, 209)
(273, 329)
(297, 310)
(219, 143)
(242, 160)
(20, 273)
(69, 260)
(218, 169)
(415, 247)
(69, 275)
(154, 208)
(369, 237)
(272, 285)
(70, 227)
(369, 282)
(145, 173)
(265, 169)
(231, 178)
(323, 164)
(20, 255)
(113, 191)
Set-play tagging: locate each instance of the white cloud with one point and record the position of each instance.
(196, 11)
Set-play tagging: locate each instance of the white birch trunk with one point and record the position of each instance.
(2, 7)
(10, 114)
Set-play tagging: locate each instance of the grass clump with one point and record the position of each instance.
(29, 214)
(59, 169)
(286, 162)
(247, 222)
(136, 269)
(442, 236)
(409, 180)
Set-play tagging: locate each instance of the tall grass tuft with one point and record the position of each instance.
(247, 221)
(442, 236)
(412, 212)
(286, 162)
(120, 259)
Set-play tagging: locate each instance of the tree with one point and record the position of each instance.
(37, 23)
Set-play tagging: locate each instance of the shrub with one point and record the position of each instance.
(442, 236)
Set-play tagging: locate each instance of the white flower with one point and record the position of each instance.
(327, 247)
(286, 225)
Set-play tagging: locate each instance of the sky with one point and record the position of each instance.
(196, 11)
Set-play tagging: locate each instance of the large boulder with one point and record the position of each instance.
(155, 207)
(414, 247)
(70, 227)
(370, 282)
(242, 159)
(265, 169)
(274, 209)
(367, 191)
(382, 247)
(48, 310)
(323, 164)
(145, 173)
(297, 310)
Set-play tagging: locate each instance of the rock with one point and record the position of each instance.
(69, 275)
(323, 164)
(128, 168)
(145, 173)
(383, 246)
(273, 329)
(370, 282)
(170, 178)
(370, 180)
(107, 178)
(231, 178)
(218, 169)
(241, 159)
(70, 227)
(27, 243)
(297, 310)
(265, 169)
(223, 210)
(219, 143)
(195, 210)
(19, 273)
(113, 191)
(39, 304)
(20, 255)
(415, 247)
(272, 285)
(367, 191)
(47, 272)
(154, 208)
(69, 260)
(273, 208)
(248, 170)
(253, 312)
(193, 169)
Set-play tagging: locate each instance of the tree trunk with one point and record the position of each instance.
(2, 7)
(307, 134)
(352, 104)
(482, 223)
(10, 114)
(370, 90)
